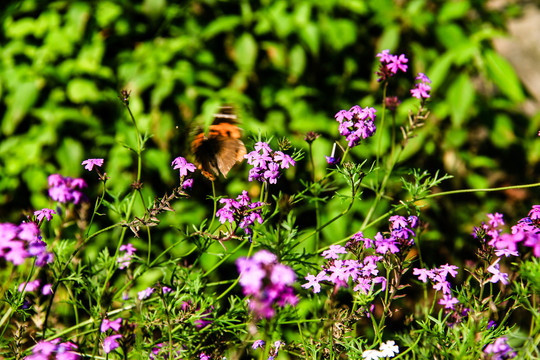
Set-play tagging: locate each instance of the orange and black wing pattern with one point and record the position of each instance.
(222, 148)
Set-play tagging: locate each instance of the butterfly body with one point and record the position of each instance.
(222, 148)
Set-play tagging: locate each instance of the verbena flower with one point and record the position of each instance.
(242, 211)
(18, 243)
(356, 124)
(500, 349)
(386, 350)
(114, 325)
(267, 163)
(497, 274)
(90, 163)
(525, 233)
(44, 213)
(66, 189)
(438, 278)
(53, 349)
(421, 89)
(390, 64)
(145, 294)
(266, 282)
(183, 166)
(110, 343)
(124, 258)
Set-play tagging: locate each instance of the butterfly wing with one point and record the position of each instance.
(222, 148)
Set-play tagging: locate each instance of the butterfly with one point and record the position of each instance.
(222, 148)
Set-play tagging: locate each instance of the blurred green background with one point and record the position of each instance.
(288, 66)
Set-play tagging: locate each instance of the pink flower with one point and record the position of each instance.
(90, 163)
(110, 343)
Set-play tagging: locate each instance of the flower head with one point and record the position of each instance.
(267, 282)
(267, 163)
(183, 166)
(357, 124)
(90, 163)
(66, 189)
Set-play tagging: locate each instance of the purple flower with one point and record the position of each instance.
(267, 282)
(125, 259)
(184, 167)
(334, 251)
(398, 63)
(107, 324)
(110, 343)
(497, 274)
(128, 248)
(500, 349)
(534, 214)
(257, 344)
(46, 289)
(421, 90)
(90, 163)
(448, 301)
(144, 294)
(423, 274)
(314, 281)
(55, 349)
(359, 125)
(495, 220)
(30, 286)
(267, 163)
(44, 213)
(187, 184)
(385, 56)
(240, 210)
(64, 189)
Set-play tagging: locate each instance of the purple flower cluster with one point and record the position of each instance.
(393, 62)
(267, 163)
(274, 350)
(500, 349)
(339, 272)
(184, 167)
(34, 285)
(242, 211)
(421, 89)
(124, 259)
(526, 232)
(66, 189)
(53, 349)
(267, 282)
(20, 242)
(356, 124)
(110, 342)
(363, 273)
(438, 277)
(390, 64)
(401, 235)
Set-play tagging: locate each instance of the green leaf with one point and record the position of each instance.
(70, 155)
(504, 76)
(245, 52)
(82, 90)
(220, 25)
(503, 134)
(453, 10)
(310, 35)
(19, 103)
(461, 98)
(297, 61)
